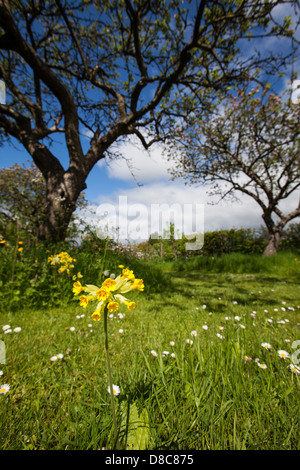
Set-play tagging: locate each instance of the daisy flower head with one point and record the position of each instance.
(266, 345)
(262, 366)
(115, 389)
(295, 369)
(172, 343)
(189, 341)
(4, 389)
(283, 354)
(153, 353)
(194, 333)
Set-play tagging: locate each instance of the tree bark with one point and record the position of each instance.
(273, 243)
(62, 195)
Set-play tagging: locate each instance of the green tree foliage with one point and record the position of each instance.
(113, 69)
(251, 146)
(23, 195)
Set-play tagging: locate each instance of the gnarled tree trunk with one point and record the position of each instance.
(62, 194)
(273, 243)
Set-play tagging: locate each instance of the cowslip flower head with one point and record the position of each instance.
(77, 288)
(64, 260)
(110, 294)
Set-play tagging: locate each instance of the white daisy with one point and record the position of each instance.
(295, 369)
(282, 353)
(4, 389)
(194, 333)
(262, 366)
(266, 345)
(116, 390)
(17, 329)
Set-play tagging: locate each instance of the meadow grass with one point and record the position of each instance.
(203, 395)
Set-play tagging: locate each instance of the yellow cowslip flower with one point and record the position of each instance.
(127, 273)
(130, 305)
(79, 275)
(113, 306)
(102, 293)
(77, 288)
(83, 301)
(2, 241)
(96, 315)
(138, 284)
(109, 284)
(110, 294)
(20, 249)
(64, 260)
(120, 266)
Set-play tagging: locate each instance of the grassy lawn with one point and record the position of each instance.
(203, 394)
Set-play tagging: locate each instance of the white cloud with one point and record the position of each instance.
(138, 164)
(135, 211)
(139, 212)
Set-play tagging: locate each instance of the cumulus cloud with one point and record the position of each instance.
(139, 164)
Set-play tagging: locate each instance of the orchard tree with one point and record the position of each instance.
(252, 146)
(114, 69)
(23, 201)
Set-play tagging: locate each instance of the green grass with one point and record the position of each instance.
(206, 397)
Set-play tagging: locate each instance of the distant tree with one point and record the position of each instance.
(113, 69)
(23, 201)
(251, 146)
